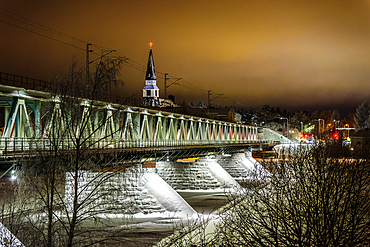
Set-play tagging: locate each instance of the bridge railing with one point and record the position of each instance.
(45, 86)
(12, 146)
(24, 82)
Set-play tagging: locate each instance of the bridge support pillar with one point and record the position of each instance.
(38, 127)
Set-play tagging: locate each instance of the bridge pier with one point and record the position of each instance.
(132, 191)
(153, 188)
(201, 175)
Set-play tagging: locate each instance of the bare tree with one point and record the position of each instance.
(314, 199)
(12, 213)
(362, 115)
(68, 178)
(191, 233)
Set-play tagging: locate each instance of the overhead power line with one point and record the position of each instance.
(38, 29)
(46, 32)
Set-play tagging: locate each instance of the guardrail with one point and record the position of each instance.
(11, 146)
(21, 81)
(45, 86)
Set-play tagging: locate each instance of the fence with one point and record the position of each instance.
(13, 146)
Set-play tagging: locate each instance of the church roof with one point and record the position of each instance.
(150, 70)
(151, 87)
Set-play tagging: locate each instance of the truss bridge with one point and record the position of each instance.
(28, 117)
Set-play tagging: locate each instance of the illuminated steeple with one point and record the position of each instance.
(150, 90)
(150, 70)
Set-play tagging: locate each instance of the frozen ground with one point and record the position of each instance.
(150, 230)
(146, 229)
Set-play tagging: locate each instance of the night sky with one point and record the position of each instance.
(298, 55)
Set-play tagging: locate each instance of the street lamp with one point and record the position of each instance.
(323, 125)
(287, 126)
(319, 123)
(346, 126)
(301, 127)
(336, 123)
(318, 130)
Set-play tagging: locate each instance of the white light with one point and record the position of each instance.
(109, 107)
(111, 145)
(13, 178)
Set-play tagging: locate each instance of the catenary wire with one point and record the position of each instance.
(129, 63)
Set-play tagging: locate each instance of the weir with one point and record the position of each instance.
(155, 192)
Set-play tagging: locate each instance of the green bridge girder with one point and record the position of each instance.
(25, 122)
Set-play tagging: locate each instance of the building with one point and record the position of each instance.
(360, 139)
(225, 114)
(150, 90)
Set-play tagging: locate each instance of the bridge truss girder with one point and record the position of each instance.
(25, 117)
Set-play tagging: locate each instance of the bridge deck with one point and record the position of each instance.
(17, 147)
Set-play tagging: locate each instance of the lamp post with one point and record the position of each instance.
(318, 130)
(323, 125)
(287, 126)
(301, 127)
(347, 127)
(336, 122)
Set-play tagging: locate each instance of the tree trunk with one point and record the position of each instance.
(75, 199)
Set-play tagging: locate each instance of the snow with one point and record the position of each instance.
(168, 197)
(7, 238)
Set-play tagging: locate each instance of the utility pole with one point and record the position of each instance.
(301, 127)
(287, 126)
(165, 85)
(87, 63)
(209, 99)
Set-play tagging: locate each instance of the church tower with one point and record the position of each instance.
(150, 90)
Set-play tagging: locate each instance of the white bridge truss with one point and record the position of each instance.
(126, 126)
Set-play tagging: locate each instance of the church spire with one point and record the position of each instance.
(150, 70)
(150, 90)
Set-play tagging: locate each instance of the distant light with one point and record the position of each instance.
(111, 145)
(13, 177)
